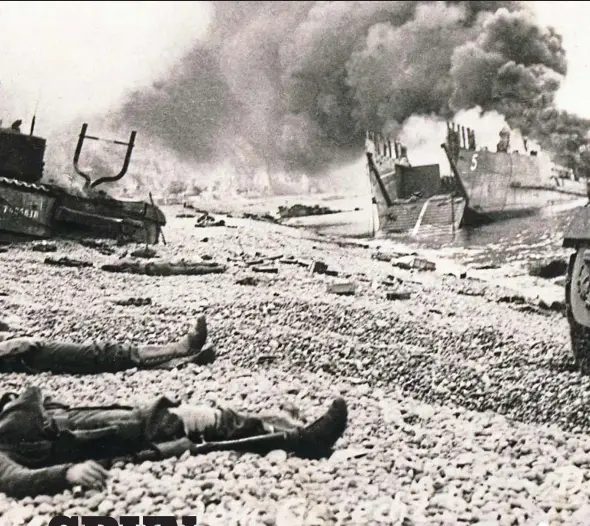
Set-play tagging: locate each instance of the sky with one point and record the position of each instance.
(569, 18)
(68, 59)
(73, 58)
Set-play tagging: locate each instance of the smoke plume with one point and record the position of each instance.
(291, 87)
(274, 92)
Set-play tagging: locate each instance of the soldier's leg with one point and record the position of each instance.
(36, 355)
(216, 425)
(188, 348)
(73, 358)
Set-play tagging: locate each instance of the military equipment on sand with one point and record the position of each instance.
(577, 286)
(30, 208)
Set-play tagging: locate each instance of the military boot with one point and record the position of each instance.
(317, 439)
(190, 348)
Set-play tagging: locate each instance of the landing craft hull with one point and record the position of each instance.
(486, 187)
(410, 200)
(502, 185)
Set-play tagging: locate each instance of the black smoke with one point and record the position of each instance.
(297, 84)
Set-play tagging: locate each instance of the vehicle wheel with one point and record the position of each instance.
(577, 301)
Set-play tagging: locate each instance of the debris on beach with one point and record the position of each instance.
(298, 210)
(290, 260)
(44, 246)
(542, 301)
(267, 269)
(450, 268)
(398, 294)
(100, 246)
(388, 256)
(548, 269)
(207, 220)
(248, 280)
(260, 217)
(470, 292)
(144, 252)
(136, 302)
(293, 261)
(413, 262)
(319, 267)
(343, 288)
(68, 262)
(165, 268)
(254, 262)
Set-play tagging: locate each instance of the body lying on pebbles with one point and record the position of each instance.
(431, 380)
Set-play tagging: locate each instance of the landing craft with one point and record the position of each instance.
(484, 186)
(30, 208)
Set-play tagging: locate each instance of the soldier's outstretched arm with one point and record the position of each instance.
(18, 481)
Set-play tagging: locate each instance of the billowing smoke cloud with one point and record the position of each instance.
(281, 88)
(293, 86)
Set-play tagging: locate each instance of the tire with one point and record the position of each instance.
(578, 316)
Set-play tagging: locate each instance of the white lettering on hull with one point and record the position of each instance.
(19, 211)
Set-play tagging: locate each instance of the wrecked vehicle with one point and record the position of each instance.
(30, 208)
(577, 286)
(299, 210)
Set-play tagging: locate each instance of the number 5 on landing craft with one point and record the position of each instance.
(473, 162)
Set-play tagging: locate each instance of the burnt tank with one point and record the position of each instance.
(31, 208)
(577, 286)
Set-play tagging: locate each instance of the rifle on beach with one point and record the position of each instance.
(258, 444)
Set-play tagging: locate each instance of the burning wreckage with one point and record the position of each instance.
(30, 208)
(484, 186)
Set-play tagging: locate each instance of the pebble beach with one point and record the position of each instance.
(463, 408)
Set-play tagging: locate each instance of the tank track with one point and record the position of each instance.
(29, 186)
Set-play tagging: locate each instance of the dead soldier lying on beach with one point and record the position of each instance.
(46, 447)
(34, 355)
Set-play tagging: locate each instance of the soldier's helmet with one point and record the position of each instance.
(505, 132)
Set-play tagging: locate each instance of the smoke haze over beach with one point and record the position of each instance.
(285, 87)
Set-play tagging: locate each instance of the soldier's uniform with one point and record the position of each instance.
(503, 145)
(41, 439)
(37, 355)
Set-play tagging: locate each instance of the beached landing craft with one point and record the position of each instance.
(484, 186)
(408, 198)
(30, 208)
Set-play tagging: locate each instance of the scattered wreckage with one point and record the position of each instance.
(31, 208)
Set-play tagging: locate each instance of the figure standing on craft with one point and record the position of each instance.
(16, 126)
(369, 147)
(504, 143)
(403, 157)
